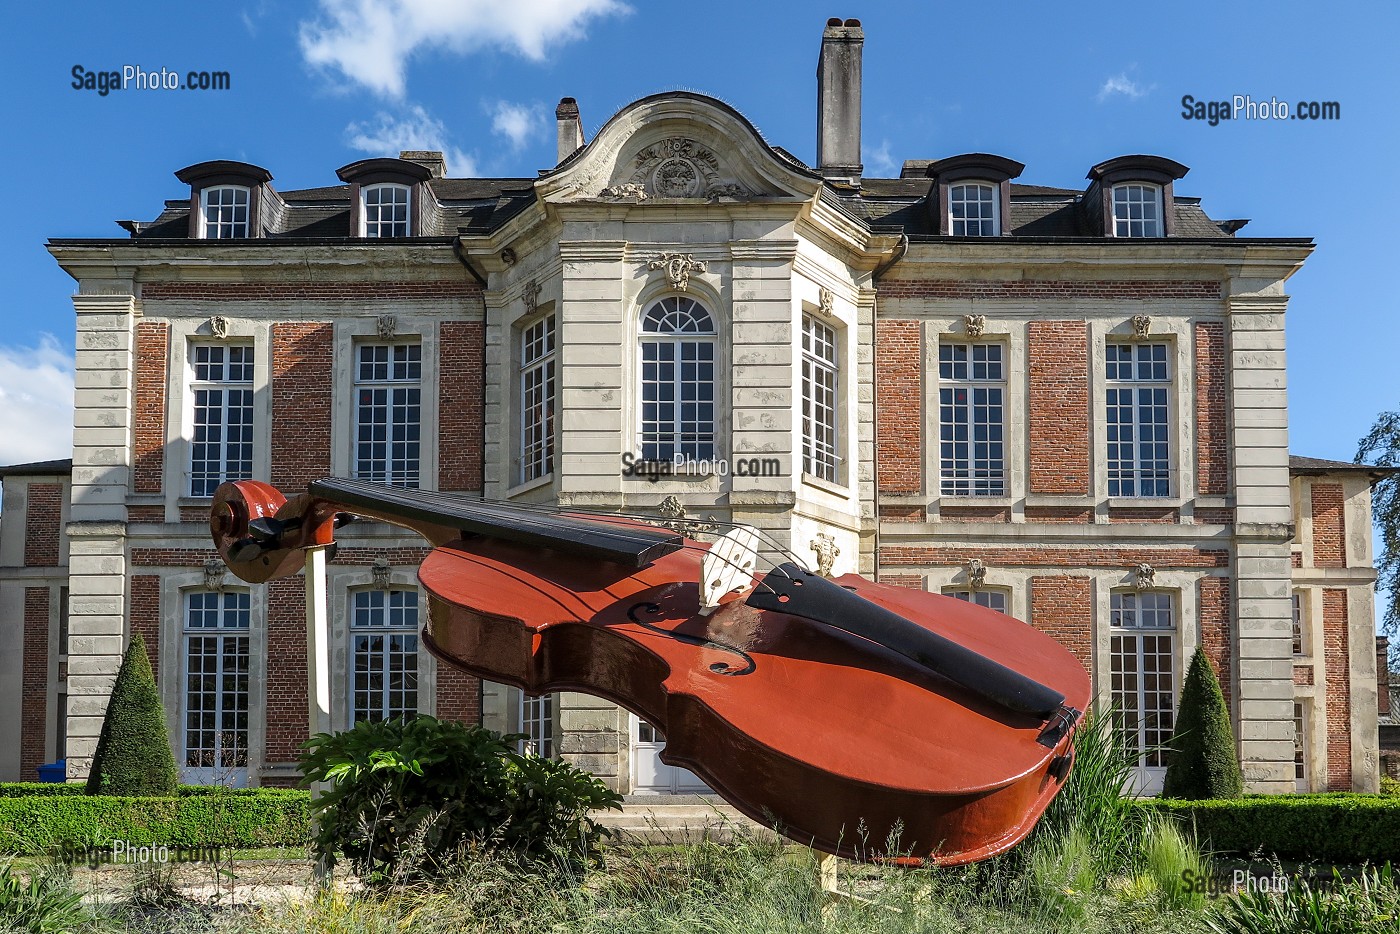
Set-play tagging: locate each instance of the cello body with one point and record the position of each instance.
(853, 747)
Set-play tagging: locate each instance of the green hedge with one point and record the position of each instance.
(1339, 827)
(244, 818)
(60, 789)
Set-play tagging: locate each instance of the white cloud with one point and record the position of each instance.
(36, 403)
(518, 123)
(370, 41)
(882, 162)
(389, 134)
(1121, 84)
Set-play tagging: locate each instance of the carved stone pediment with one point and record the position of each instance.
(675, 167)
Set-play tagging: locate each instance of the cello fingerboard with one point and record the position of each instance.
(631, 545)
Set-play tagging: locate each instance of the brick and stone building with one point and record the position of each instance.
(1069, 403)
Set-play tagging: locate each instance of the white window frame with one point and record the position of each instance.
(664, 439)
(393, 616)
(228, 622)
(998, 600)
(1129, 474)
(821, 399)
(1300, 625)
(1302, 775)
(984, 475)
(538, 392)
(225, 225)
(537, 719)
(401, 404)
(957, 198)
(371, 200)
(1130, 215)
(232, 457)
(1131, 625)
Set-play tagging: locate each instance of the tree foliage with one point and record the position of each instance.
(133, 751)
(1203, 762)
(1381, 447)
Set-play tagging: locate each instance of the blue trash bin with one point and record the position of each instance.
(54, 771)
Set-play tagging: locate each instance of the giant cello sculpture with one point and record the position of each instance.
(814, 706)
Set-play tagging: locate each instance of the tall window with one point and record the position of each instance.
(383, 654)
(971, 407)
(537, 723)
(1298, 643)
(973, 210)
(225, 212)
(820, 454)
(1141, 641)
(678, 381)
(1137, 211)
(216, 681)
(385, 210)
(537, 385)
(221, 446)
(1300, 747)
(991, 599)
(1139, 433)
(388, 412)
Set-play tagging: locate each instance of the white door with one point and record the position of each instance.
(651, 776)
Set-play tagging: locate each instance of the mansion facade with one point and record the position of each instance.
(1069, 404)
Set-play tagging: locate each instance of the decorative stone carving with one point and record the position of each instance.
(975, 324)
(976, 574)
(214, 570)
(674, 517)
(1144, 577)
(631, 190)
(531, 294)
(508, 256)
(678, 268)
(828, 301)
(1142, 326)
(218, 326)
(827, 552)
(379, 571)
(716, 192)
(386, 325)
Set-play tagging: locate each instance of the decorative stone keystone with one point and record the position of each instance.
(218, 326)
(828, 301)
(386, 325)
(531, 294)
(678, 268)
(379, 571)
(976, 574)
(214, 574)
(975, 324)
(1144, 577)
(1142, 326)
(827, 552)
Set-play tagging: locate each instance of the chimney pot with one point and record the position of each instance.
(834, 21)
(852, 22)
(570, 127)
(428, 159)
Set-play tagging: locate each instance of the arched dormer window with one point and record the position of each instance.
(971, 194)
(384, 208)
(678, 380)
(224, 212)
(1131, 197)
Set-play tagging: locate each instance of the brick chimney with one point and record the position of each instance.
(432, 161)
(570, 127)
(838, 100)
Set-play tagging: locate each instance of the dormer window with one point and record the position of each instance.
(971, 194)
(224, 212)
(385, 210)
(1137, 210)
(974, 210)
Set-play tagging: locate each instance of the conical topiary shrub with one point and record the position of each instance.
(133, 752)
(1202, 762)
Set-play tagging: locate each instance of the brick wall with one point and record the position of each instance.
(145, 615)
(1095, 557)
(1213, 594)
(1116, 289)
(1059, 407)
(1328, 526)
(1062, 607)
(899, 407)
(35, 678)
(461, 401)
(302, 360)
(286, 670)
(458, 695)
(1336, 649)
(1212, 421)
(43, 521)
(1068, 514)
(912, 581)
(148, 403)
(305, 291)
(975, 514)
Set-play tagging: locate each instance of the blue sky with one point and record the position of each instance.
(1059, 87)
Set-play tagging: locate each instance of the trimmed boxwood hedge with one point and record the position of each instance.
(59, 789)
(214, 817)
(1337, 827)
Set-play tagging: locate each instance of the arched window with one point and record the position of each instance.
(678, 380)
(385, 210)
(225, 212)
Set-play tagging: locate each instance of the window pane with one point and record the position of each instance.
(971, 403)
(383, 654)
(677, 352)
(820, 456)
(1138, 430)
(388, 413)
(221, 438)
